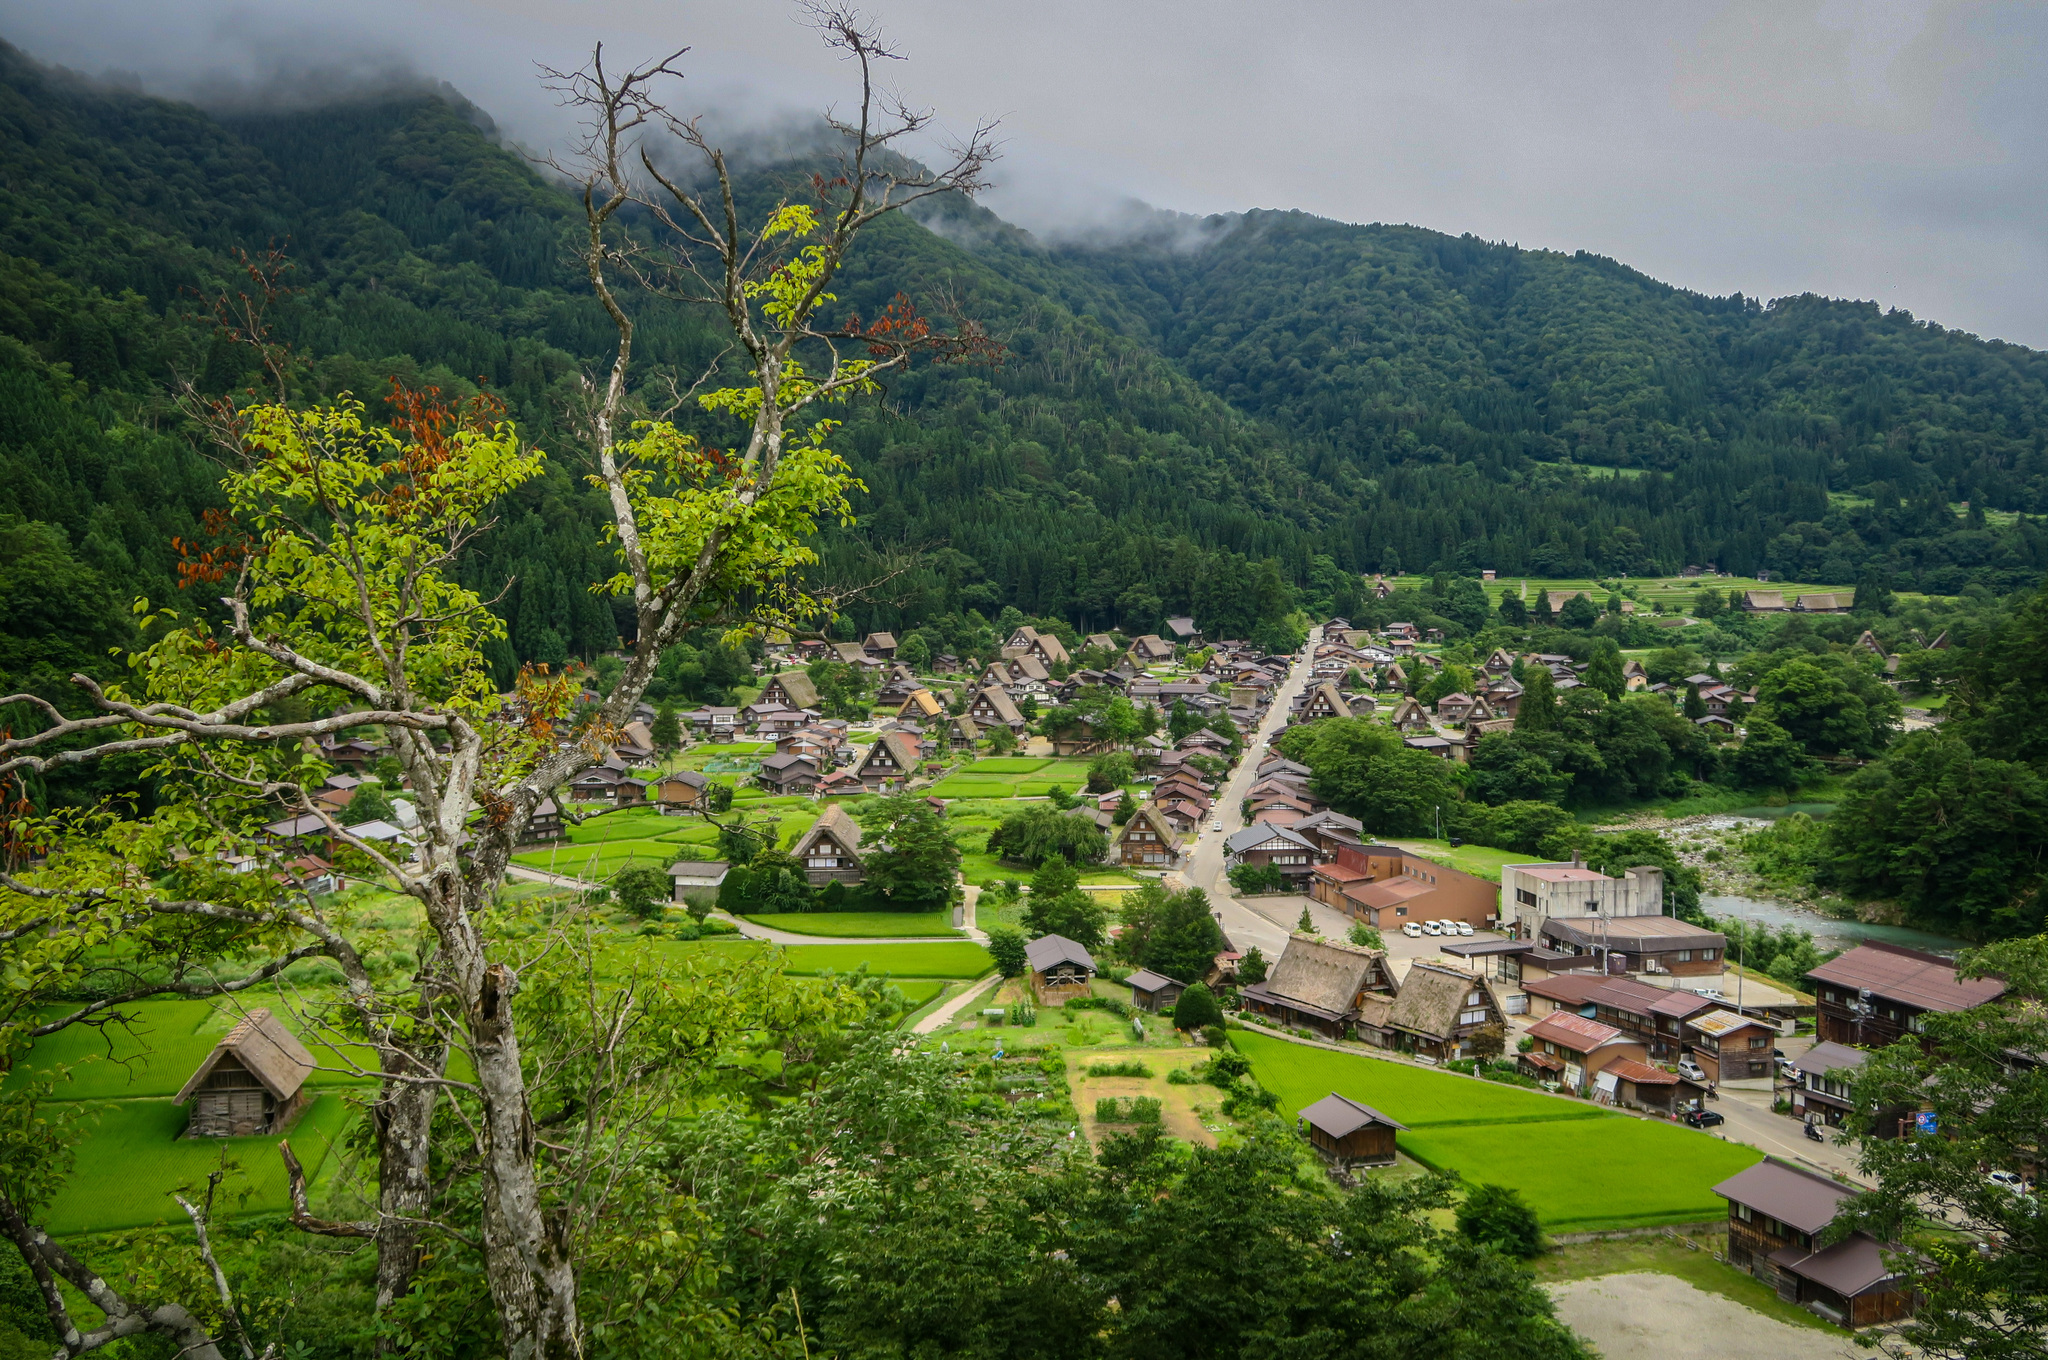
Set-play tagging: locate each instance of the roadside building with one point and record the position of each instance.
(1731, 1047)
(1875, 994)
(1319, 984)
(1776, 1215)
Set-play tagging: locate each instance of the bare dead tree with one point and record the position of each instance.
(369, 536)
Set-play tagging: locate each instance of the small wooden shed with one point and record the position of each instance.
(1152, 991)
(252, 1083)
(1350, 1134)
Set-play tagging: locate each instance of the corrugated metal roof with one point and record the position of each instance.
(1339, 1116)
(1804, 1200)
(1925, 981)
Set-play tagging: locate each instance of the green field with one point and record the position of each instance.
(604, 845)
(859, 924)
(1580, 1166)
(153, 1056)
(131, 1160)
(1012, 777)
(938, 959)
(1581, 1176)
(1416, 1096)
(1012, 764)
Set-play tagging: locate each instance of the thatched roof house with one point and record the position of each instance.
(1319, 984)
(1439, 1009)
(253, 1082)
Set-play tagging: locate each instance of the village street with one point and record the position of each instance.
(1245, 925)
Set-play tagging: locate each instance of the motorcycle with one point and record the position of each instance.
(1813, 1132)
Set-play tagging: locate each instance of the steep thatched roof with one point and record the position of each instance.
(1327, 974)
(843, 829)
(1431, 997)
(270, 1053)
(797, 685)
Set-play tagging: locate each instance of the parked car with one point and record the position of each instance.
(1432, 928)
(1710, 994)
(2009, 1180)
(1690, 1070)
(1412, 929)
(1464, 927)
(1216, 825)
(1703, 1119)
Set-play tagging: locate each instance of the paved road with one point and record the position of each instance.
(1245, 923)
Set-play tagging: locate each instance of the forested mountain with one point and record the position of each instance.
(1217, 417)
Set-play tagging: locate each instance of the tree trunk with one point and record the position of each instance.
(403, 1120)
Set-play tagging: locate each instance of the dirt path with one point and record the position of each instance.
(946, 1014)
(1661, 1317)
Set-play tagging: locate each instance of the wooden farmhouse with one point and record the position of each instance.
(1148, 840)
(992, 707)
(1155, 992)
(683, 791)
(1776, 1215)
(1319, 985)
(891, 760)
(790, 689)
(1349, 1134)
(1874, 994)
(252, 1083)
(830, 850)
(1060, 968)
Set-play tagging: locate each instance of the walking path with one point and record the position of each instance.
(946, 1014)
(543, 876)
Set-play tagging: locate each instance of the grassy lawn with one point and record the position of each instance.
(859, 924)
(1587, 1260)
(1623, 1171)
(131, 1160)
(1481, 861)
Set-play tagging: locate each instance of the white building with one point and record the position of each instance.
(1531, 894)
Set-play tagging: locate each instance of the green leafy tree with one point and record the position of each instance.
(1196, 1010)
(1770, 757)
(1513, 612)
(1708, 603)
(914, 859)
(369, 803)
(1695, 705)
(1537, 711)
(1125, 806)
(1307, 924)
(1058, 906)
(1498, 1217)
(1365, 936)
(1579, 613)
(1957, 839)
(642, 892)
(1001, 740)
(1111, 770)
(1031, 834)
(1818, 709)
(667, 730)
(1363, 770)
(1006, 948)
(915, 652)
(1173, 933)
(1604, 672)
(1252, 968)
(1980, 1282)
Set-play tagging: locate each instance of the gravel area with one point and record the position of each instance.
(1642, 1316)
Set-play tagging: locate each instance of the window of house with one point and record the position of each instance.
(1685, 956)
(1523, 895)
(1707, 954)
(1477, 1017)
(1742, 1212)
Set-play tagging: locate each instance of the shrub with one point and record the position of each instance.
(1006, 947)
(1127, 1110)
(1365, 936)
(1257, 878)
(1129, 1067)
(1196, 1008)
(1524, 1044)
(1497, 1216)
(1183, 1076)
(1024, 1014)
(643, 891)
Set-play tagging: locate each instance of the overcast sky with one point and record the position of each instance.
(1886, 149)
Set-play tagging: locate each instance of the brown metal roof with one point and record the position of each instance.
(1924, 981)
(1826, 1057)
(1573, 1031)
(271, 1053)
(1804, 1200)
(1145, 980)
(1855, 1265)
(1340, 1117)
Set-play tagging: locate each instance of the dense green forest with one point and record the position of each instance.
(1227, 421)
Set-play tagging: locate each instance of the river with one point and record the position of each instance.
(1828, 932)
